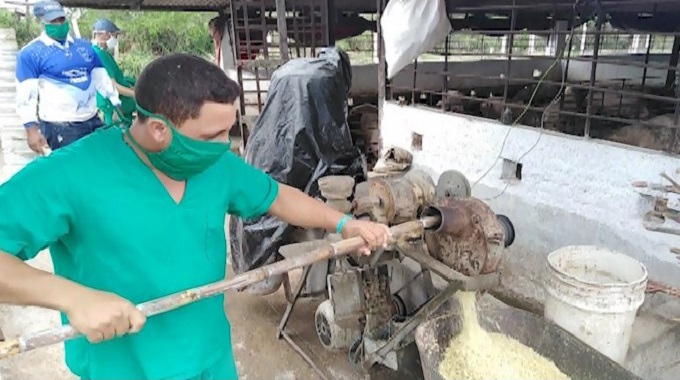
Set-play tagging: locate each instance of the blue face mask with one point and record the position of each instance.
(184, 157)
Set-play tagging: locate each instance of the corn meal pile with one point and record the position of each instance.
(475, 354)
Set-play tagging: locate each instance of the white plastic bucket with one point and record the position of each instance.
(595, 293)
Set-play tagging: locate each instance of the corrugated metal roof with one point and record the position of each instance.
(350, 5)
(196, 5)
(563, 8)
(370, 5)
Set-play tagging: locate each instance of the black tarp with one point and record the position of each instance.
(300, 136)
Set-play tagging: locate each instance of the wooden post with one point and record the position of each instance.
(283, 29)
(382, 66)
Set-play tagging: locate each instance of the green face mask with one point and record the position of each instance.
(57, 31)
(184, 157)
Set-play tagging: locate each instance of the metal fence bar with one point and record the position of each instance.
(511, 43)
(593, 72)
(312, 15)
(650, 40)
(296, 31)
(331, 19)
(445, 88)
(565, 72)
(265, 30)
(281, 23)
(676, 119)
(597, 102)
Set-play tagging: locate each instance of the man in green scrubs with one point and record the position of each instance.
(104, 41)
(139, 214)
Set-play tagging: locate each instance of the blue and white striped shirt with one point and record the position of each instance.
(58, 82)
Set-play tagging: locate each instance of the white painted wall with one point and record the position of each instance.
(572, 191)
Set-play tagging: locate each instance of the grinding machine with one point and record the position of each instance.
(375, 303)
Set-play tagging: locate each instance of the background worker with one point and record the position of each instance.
(105, 40)
(57, 77)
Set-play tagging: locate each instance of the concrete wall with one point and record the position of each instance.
(579, 71)
(572, 191)
(480, 74)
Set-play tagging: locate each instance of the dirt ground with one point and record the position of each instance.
(254, 322)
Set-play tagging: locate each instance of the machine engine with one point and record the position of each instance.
(374, 303)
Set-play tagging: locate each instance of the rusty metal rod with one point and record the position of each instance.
(671, 180)
(657, 287)
(466, 283)
(282, 28)
(45, 338)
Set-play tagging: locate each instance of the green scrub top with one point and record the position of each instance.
(128, 104)
(111, 225)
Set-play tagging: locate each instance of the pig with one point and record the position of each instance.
(655, 137)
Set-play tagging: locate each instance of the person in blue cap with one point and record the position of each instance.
(57, 77)
(105, 39)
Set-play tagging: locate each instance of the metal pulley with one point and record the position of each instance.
(453, 184)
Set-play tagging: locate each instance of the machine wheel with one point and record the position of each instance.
(356, 351)
(508, 228)
(332, 336)
(399, 306)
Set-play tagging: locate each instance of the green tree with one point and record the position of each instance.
(26, 29)
(147, 34)
(152, 34)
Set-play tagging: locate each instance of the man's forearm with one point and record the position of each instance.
(296, 208)
(105, 85)
(124, 91)
(21, 284)
(27, 102)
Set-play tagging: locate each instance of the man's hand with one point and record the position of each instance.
(298, 209)
(36, 141)
(376, 235)
(102, 316)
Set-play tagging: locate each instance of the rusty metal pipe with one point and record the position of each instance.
(453, 220)
(470, 238)
(161, 305)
